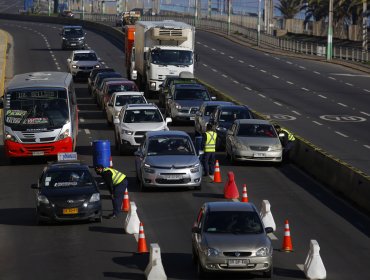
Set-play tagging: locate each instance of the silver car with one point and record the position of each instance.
(82, 62)
(168, 159)
(230, 237)
(253, 140)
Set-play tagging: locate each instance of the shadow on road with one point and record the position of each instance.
(102, 229)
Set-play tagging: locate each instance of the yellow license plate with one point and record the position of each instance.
(70, 211)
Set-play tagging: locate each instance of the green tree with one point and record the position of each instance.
(289, 8)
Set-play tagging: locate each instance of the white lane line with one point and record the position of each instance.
(205, 46)
(367, 146)
(322, 96)
(318, 73)
(250, 65)
(288, 82)
(214, 70)
(231, 57)
(276, 77)
(263, 71)
(317, 123)
(241, 61)
(364, 113)
(289, 62)
(262, 95)
(366, 90)
(305, 89)
(277, 58)
(300, 266)
(349, 84)
(82, 120)
(87, 131)
(54, 59)
(213, 49)
(247, 88)
(266, 54)
(272, 236)
(302, 67)
(341, 104)
(332, 78)
(235, 82)
(341, 134)
(297, 113)
(59, 68)
(199, 43)
(277, 103)
(223, 75)
(205, 65)
(222, 53)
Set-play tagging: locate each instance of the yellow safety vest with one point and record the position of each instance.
(117, 177)
(290, 135)
(210, 146)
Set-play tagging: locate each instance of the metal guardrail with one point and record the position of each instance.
(296, 46)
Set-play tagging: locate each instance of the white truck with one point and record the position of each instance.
(162, 48)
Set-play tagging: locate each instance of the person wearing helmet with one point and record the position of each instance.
(116, 182)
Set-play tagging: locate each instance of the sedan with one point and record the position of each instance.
(82, 62)
(168, 159)
(230, 237)
(67, 191)
(253, 140)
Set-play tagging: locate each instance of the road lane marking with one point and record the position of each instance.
(318, 73)
(341, 104)
(222, 53)
(366, 90)
(250, 65)
(263, 71)
(349, 84)
(241, 61)
(341, 134)
(223, 75)
(231, 57)
(305, 89)
(322, 96)
(213, 49)
(205, 65)
(87, 131)
(317, 123)
(205, 46)
(289, 62)
(236, 82)
(277, 58)
(364, 113)
(331, 78)
(302, 67)
(276, 77)
(367, 146)
(262, 95)
(82, 120)
(288, 82)
(214, 70)
(247, 88)
(297, 113)
(277, 103)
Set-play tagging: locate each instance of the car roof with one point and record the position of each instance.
(84, 51)
(166, 133)
(117, 81)
(189, 85)
(72, 26)
(217, 103)
(233, 106)
(139, 93)
(140, 106)
(252, 121)
(230, 206)
(78, 165)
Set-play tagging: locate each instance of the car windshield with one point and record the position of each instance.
(209, 110)
(229, 115)
(191, 94)
(122, 100)
(67, 179)
(73, 32)
(85, 57)
(142, 115)
(159, 146)
(100, 78)
(171, 57)
(256, 130)
(235, 222)
(121, 87)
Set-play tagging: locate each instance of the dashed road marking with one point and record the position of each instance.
(364, 113)
(317, 123)
(277, 103)
(87, 131)
(366, 90)
(277, 58)
(213, 49)
(341, 104)
(223, 75)
(263, 71)
(288, 82)
(205, 46)
(332, 78)
(205, 65)
(305, 89)
(241, 61)
(262, 95)
(367, 146)
(276, 77)
(82, 120)
(297, 113)
(222, 53)
(247, 88)
(250, 65)
(235, 82)
(341, 134)
(322, 96)
(231, 57)
(289, 62)
(318, 73)
(214, 70)
(349, 84)
(302, 67)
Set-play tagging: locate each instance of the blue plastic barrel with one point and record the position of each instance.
(101, 152)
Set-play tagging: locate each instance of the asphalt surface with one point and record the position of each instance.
(102, 251)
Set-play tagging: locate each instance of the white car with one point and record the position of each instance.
(119, 99)
(82, 62)
(132, 123)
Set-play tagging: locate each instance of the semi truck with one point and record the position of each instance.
(162, 48)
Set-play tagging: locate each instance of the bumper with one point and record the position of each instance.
(180, 116)
(272, 156)
(13, 149)
(131, 143)
(78, 73)
(172, 178)
(73, 45)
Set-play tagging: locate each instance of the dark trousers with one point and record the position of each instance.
(209, 163)
(119, 191)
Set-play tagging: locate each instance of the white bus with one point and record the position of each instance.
(40, 115)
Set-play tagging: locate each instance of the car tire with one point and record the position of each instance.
(268, 274)
(200, 271)
(38, 221)
(99, 219)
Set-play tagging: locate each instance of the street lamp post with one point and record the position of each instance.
(228, 16)
(196, 13)
(364, 26)
(259, 23)
(329, 51)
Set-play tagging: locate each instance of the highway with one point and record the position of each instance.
(103, 251)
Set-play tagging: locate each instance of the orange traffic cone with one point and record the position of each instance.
(244, 195)
(110, 162)
(141, 245)
(230, 189)
(125, 202)
(287, 242)
(217, 174)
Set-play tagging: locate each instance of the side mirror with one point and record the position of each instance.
(213, 98)
(269, 230)
(69, 60)
(133, 75)
(168, 120)
(116, 121)
(281, 135)
(34, 186)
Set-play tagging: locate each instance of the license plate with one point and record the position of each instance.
(237, 262)
(173, 177)
(68, 211)
(39, 153)
(192, 118)
(259, 155)
(73, 44)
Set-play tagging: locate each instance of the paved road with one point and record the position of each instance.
(100, 251)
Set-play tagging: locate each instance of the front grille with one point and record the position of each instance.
(64, 204)
(140, 132)
(193, 110)
(178, 174)
(33, 140)
(39, 148)
(259, 148)
(237, 254)
(173, 182)
(86, 67)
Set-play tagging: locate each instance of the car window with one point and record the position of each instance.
(67, 178)
(243, 222)
(143, 115)
(209, 110)
(191, 94)
(170, 146)
(122, 87)
(229, 115)
(122, 100)
(85, 57)
(256, 130)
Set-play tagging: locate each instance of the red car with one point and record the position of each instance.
(116, 86)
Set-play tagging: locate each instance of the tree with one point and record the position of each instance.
(289, 8)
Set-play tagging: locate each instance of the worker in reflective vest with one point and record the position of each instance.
(209, 148)
(287, 141)
(116, 183)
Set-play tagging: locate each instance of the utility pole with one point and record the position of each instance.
(329, 49)
(228, 16)
(196, 13)
(259, 23)
(364, 26)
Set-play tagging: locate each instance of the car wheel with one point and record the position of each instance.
(99, 219)
(38, 220)
(268, 274)
(200, 271)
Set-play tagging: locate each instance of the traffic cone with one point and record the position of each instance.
(287, 242)
(230, 189)
(244, 195)
(141, 245)
(125, 202)
(217, 174)
(110, 162)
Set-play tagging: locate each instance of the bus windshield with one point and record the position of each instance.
(34, 108)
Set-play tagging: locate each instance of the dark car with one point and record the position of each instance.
(66, 14)
(67, 191)
(93, 73)
(73, 37)
(99, 80)
(222, 119)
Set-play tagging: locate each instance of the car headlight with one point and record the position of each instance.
(178, 106)
(74, 66)
(81, 39)
(221, 129)
(95, 197)
(128, 132)
(152, 86)
(97, 66)
(263, 252)
(147, 169)
(10, 137)
(195, 168)
(276, 147)
(63, 135)
(42, 199)
(211, 252)
(64, 38)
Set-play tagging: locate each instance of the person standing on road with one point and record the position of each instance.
(287, 141)
(209, 148)
(117, 183)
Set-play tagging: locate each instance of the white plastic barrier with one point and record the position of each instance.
(266, 215)
(155, 270)
(313, 266)
(132, 222)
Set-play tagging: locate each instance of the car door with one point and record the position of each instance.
(230, 138)
(139, 157)
(197, 236)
